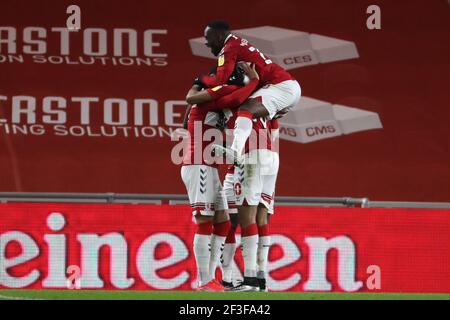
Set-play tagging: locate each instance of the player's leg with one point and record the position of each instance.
(269, 172)
(201, 246)
(248, 193)
(265, 102)
(229, 252)
(199, 183)
(220, 230)
(230, 242)
(249, 240)
(262, 220)
(252, 108)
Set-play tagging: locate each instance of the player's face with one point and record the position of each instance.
(213, 40)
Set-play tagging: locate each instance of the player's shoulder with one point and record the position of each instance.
(234, 39)
(232, 43)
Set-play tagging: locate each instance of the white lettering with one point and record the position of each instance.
(148, 265)
(29, 251)
(90, 247)
(41, 46)
(101, 42)
(319, 248)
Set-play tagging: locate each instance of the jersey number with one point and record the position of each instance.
(267, 61)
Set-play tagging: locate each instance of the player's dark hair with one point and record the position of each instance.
(237, 76)
(219, 25)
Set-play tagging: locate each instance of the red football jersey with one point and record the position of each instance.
(237, 49)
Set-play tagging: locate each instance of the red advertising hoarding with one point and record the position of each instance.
(148, 247)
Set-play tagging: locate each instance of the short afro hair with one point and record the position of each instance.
(219, 25)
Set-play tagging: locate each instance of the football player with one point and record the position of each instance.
(201, 177)
(278, 91)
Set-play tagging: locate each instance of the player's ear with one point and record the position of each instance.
(221, 36)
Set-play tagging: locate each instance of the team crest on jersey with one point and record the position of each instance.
(221, 60)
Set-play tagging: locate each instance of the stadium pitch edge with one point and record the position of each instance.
(189, 295)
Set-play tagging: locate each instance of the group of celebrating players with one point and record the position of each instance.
(245, 93)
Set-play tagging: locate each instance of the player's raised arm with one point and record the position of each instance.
(186, 116)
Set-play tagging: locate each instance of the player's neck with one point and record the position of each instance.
(227, 38)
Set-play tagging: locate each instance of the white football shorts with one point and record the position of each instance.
(204, 189)
(255, 181)
(276, 97)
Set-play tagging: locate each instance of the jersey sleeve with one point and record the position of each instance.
(236, 98)
(225, 66)
(220, 91)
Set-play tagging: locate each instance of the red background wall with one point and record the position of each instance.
(402, 74)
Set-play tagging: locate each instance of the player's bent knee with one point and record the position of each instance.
(202, 219)
(247, 215)
(255, 107)
(221, 216)
(262, 215)
(234, 220)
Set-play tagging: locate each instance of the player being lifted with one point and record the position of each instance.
(278, 92)
(201, 177)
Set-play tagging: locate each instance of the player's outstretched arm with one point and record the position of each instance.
(236, 98)
(195, 96)
(198, 97)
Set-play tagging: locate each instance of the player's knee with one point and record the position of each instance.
(247, 216)
(255, 107)
(262, 215)
(234, 220)
(202, 219)
(221, 216)
(250, 105)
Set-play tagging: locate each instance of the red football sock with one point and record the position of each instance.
(222, 229)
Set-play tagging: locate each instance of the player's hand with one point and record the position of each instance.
(222, 121)
(281, 113)
(198, 82)
(250, 71)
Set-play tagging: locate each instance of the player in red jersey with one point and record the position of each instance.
(201, 179)
(278, 91)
